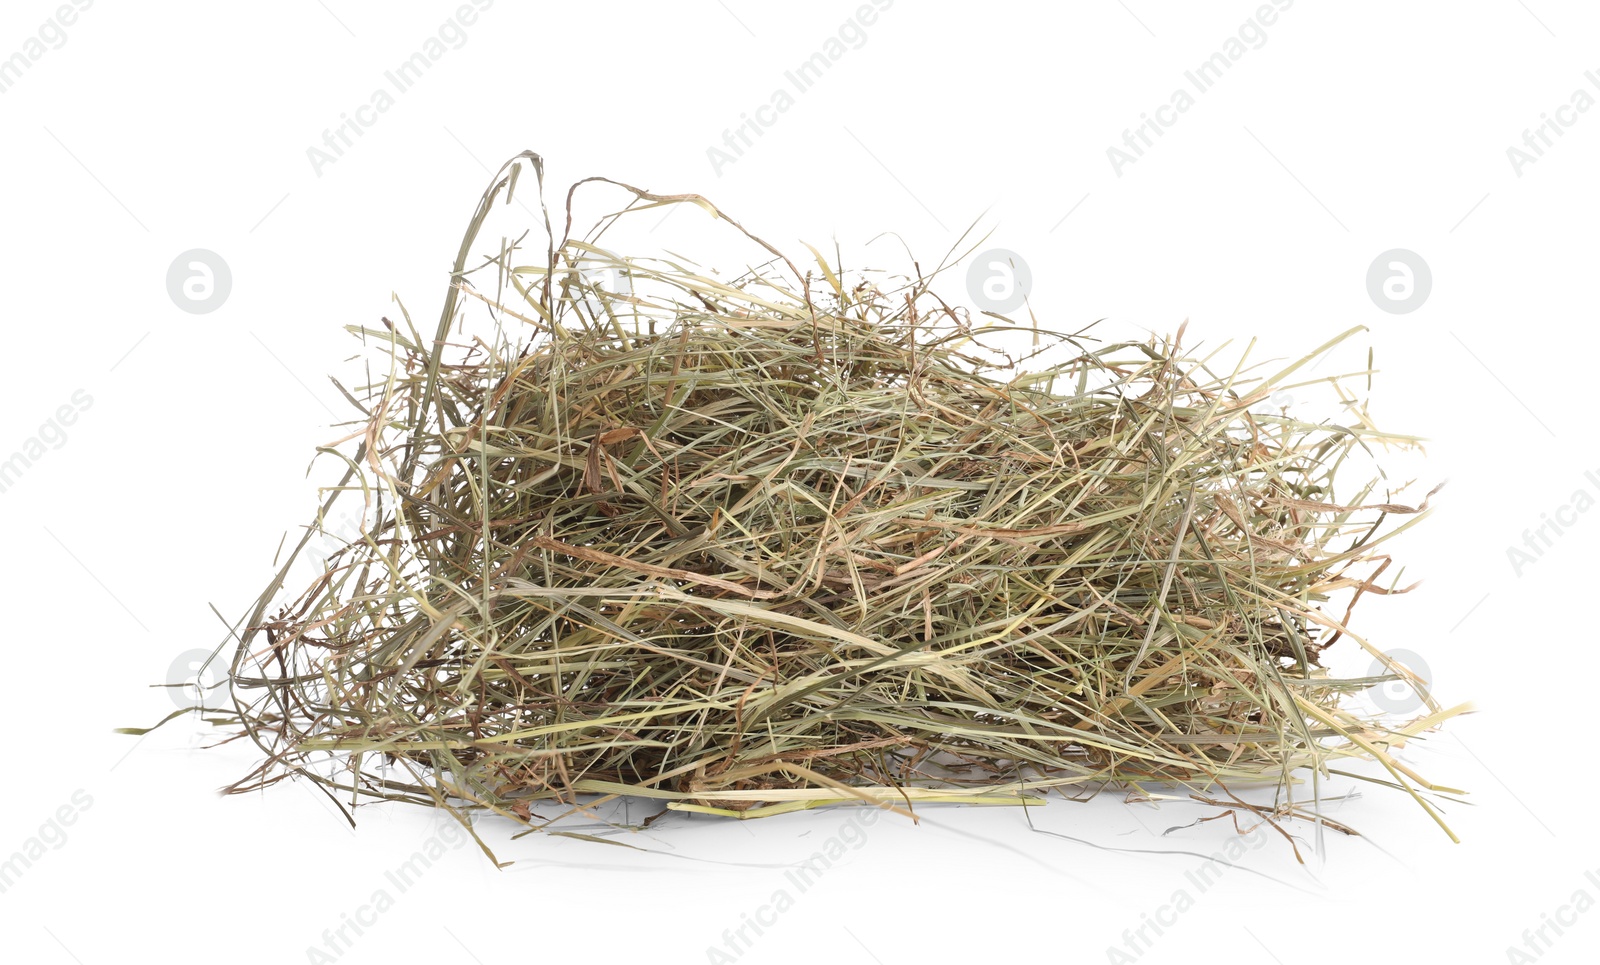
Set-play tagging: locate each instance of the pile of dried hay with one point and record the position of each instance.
(758, 545)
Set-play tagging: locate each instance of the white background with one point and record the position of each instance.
(1355, 128)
